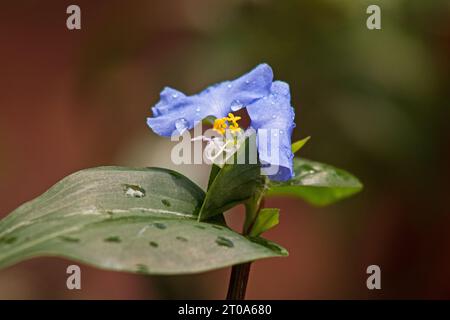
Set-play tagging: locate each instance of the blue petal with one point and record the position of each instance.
(167, 97)
(176, 112)
(273, 119)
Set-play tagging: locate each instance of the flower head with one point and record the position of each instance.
(268, 106)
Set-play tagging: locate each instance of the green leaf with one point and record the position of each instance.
(215, 169)
(231, 185)
(317, 183)
(296, 146)
(266, 219)
(136, 220)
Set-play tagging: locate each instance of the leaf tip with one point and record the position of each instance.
(296, 146)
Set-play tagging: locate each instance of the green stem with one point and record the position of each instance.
(241, 272)
(238, 281)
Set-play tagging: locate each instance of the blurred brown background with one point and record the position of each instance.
(375, 103)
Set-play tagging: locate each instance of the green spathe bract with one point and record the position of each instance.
(232, 184)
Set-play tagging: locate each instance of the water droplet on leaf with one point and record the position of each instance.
(306, 169)
(134, 191)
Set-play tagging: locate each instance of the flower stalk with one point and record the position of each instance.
(240, 273)
(238, 281)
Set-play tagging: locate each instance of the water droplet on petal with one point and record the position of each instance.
(274, 116)
(133, 191)
(197, 109)
(222, 241)
(236, 105)
(247, 81)
(175, 95)
(229, 86)
(181, 125)
(281, 131)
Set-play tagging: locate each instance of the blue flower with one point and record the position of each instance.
(267, 103)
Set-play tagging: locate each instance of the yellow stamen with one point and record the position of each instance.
(220, 125)
(234, 127)
(233, 118)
